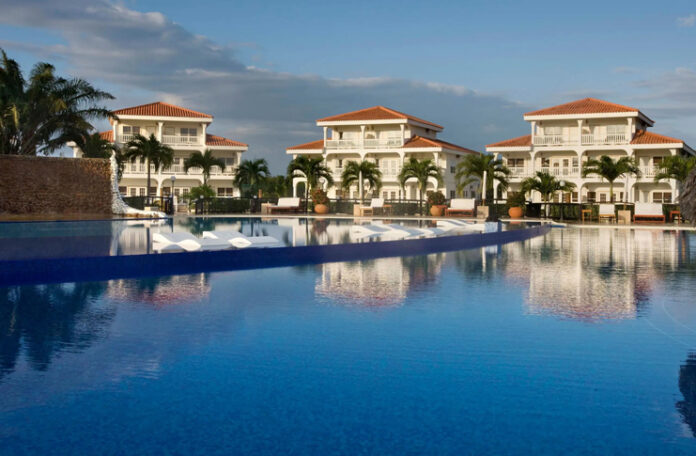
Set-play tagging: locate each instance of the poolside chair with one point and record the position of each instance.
(241, 241)
(406, 231)
(648, 212)
(165, 242)
(368, 230)
(375, 204)
(461, 206)
(607, 211)
(286, 205)
(460, 225)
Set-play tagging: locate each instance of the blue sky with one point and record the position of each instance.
(267, 70)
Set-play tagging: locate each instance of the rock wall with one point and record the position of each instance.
(52, 185)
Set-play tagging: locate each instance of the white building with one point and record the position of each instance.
(565, 136)
(185, 131)
(387, 138)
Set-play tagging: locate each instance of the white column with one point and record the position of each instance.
(362, 137)
(159, 131)
(325, 132)
(403, 134)
(533, 130)
(533, 162)
(629, 129)
(580, 122)
(204, 127)
(114, 128)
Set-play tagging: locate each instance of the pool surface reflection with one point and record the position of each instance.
(580, 341)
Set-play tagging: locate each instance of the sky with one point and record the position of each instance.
(267, 70)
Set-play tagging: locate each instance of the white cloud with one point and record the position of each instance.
(147, 55)
(687, 21)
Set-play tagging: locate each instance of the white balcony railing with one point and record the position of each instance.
(585, 140)
(385, 143)
(549, 140)
(516, 171)
(561, 172)
(178, 140)
(125, 138)
(649, 171)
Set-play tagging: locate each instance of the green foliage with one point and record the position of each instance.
(677, 167)
(42, 114)
(546, 184)
(436, 198)
(365, 170)
(516, 199)
(421, 171)
(151, 151)
(319, 196)
(311, 168)
(205, 161)
(251, 175)
(473, 167)
(202, 191)
(94, 146)
(276, 186)
(610, 169)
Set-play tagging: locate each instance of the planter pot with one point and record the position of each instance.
(515, 212)
(321, 208)
(437, 210)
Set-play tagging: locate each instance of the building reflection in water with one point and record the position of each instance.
(42, 321)
(161, 291)
(384, 282)
(687, 386)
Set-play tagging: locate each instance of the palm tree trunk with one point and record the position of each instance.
(307, 196)
(361, 187)
(147, 192)
(611, 191)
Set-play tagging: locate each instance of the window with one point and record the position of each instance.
(574, 197)
(225, 191)
(377, 162)
(591, 197)
(657, 161)
(166, 191)
(662, 197)
(385, 195)
(188, 131)
(169, 131)
(618, 130)
(141, 191)
(452, 194)
(185, 191)
(129, 130)
(393, 195)
(340, 163)
(602, 197)
(515, 162)
(553, 131)
(230, 161)
(545, 162)
(453, 169)
(575, 162)
(123, 190)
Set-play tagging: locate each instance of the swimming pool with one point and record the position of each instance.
(580, 341)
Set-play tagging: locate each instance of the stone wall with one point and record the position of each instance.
(54, 186)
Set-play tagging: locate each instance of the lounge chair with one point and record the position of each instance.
(648, 212)
(369, 230)
(607, 211)
(286, 205)
(461, 206)
(375, 204)
(241, 241)
(165, 242)
(460, 225)
(407, 231)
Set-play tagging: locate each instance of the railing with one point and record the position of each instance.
(649, 171)
(549, 140)
(594, 140)
(125, 138)
(364, 144)
(178, 140)
(562, 172)
(585, 140)
(228, 171)
(518, 171)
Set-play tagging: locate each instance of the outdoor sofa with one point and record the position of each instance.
(286, 205)
(648, 212)
(461, 206)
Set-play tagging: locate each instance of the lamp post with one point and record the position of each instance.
(563, 183)
(172, 195)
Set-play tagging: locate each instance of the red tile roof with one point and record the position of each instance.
(584, 106)
(648, 137)
(376, 113)
(212, 140)
(309, 146)
(520, 141)
(160, 109)
(419, 141)
(108, 135)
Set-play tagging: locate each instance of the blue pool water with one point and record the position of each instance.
(578, 342)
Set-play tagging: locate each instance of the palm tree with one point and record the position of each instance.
(251, 174)
(276, 186)
(421, 171)
(312, 169)
(677, 167)
(151, 151)
(687, 200)
(546, 184)
(94, 146)
(360, 172)
(473, 167)
(47, 111)
(610, 169)
(205, 161)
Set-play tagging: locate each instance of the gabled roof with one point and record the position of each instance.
(648, 137)
(160, 109)
(584, 106)
(309, 146)
(520, 141)
(213, 140)
(108, 135)
(419, 141)
(377, 113)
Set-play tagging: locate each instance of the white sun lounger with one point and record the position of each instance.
(369, 230)
(164, 242)
(241, 241)
(460, 225)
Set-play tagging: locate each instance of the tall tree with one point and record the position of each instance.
(42, 114)
(312, 169)
(609, 169)
(473, 167)
(276, 186)
(151, 151)
(251, 174)
(94, 146)
(546, 184)
(422, 171)
(677, 167)
(205, 161)
(359, 172)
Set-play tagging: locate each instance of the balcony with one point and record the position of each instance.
(386, 143)
(177, 140)
(585, 140)
(649, 171)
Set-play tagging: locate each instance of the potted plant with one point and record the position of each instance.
(320, 201)
(515, 203)
(436, 201)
